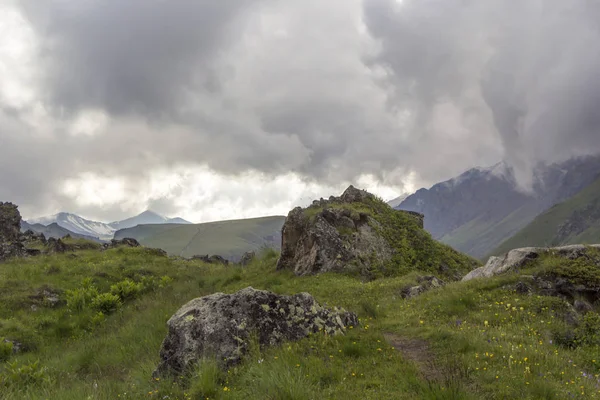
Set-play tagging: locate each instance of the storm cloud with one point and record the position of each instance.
(406, 92)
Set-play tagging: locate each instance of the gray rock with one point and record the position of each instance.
(582, 306)
(221, 325)
(125, 242)
(333, 238)
(425, 283)
(10, 232)
(518, 258)
(214, 259)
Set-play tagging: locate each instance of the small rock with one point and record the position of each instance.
(582, 306)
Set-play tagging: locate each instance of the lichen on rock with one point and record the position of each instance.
(359, 233)
(220, 326)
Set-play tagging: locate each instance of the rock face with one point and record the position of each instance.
(334, 237)
(221, 325)
(10, 232)
(517, 258)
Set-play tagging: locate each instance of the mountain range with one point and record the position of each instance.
(574, 221)
(478, 210)
(75, 224)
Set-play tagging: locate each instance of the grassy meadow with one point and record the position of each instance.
(472, 340)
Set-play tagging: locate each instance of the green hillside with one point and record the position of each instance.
(468, 340)
(574, 221)
(230, 239)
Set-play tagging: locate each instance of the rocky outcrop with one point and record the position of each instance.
(10, 232)
(214, 259)
(220, 326)
(125, 242)
(517, 258)
(332, 235)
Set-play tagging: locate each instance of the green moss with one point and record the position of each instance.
(414, 248)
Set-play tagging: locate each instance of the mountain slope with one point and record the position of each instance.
(146, 218)
(77, 224)
(54, 230)
(230, 239)
(576, 220)
(481, 208)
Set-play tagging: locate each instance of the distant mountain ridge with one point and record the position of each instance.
(54, 231)
(102, 230)
(482, 207)
(574, 221)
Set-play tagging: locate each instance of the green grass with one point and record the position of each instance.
(543, 230)
(485, 340)
(230, 239)
(413, 247)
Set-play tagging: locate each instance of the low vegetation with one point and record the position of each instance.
(414, 248)
(89, 325)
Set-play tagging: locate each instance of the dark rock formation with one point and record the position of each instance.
(10, 232)
(125, 242)
(334, 235)
(220, 325)
(214, 259)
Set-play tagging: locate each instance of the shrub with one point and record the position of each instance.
(126, 289)
(106, 303)
(16, 374)
(589, 331)
(80, 299)
(6, 349)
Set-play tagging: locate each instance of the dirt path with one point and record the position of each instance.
(417, 350)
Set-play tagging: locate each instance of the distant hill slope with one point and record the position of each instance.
(230, 239)
(478, 210)
(55, 231)
(146, 218)
(576, 220)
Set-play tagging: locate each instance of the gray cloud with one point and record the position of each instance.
(532, 63)
(329, 90)
(135, 56)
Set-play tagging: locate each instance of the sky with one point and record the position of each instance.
(232, 109)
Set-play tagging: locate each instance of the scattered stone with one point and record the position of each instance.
(247, 258)
(47, 297)
(582, 306)
(518, 258)
(221, 325)
(125, 242)
(214, 259)
(56, 246)
(16, 345)
(425, 283)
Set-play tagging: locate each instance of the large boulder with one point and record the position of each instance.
(10, 232)
(221, 325)
(358, 233)
(518, 258)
